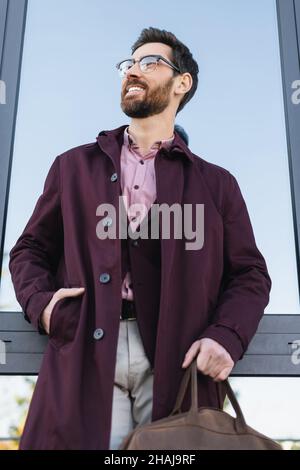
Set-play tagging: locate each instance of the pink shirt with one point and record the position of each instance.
(138, 186)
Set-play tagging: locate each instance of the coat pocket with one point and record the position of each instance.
(64, 321)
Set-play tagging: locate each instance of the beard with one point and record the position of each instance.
(150, 103)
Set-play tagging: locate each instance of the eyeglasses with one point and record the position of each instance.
(147, 64)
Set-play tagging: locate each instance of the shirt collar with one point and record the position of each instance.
(131, 143)
(114, 139)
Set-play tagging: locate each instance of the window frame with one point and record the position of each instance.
(269, 353)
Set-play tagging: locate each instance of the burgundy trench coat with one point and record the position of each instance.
(219, 291)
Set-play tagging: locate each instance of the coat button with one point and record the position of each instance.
(135, 243)
(104, 278)
(98, 333)
(107, 222)
(114, 177)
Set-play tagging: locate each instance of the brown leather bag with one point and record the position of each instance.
(199, 428)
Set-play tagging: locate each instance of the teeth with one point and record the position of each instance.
(135, 88)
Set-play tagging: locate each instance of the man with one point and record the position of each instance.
(126, 316)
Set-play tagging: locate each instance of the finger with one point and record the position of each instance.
(206, 360)
(203, 360)
(223, 375)
(216, 371)
(71, 292)
(215, 365)
(191, 354)
(189, 357)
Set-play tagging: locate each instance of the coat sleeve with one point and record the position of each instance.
(34, 258)
(246, 282)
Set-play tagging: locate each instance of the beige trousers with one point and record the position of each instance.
(133, 387)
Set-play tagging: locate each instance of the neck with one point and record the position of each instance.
(149, 130)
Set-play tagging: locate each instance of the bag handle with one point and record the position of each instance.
(191, 372)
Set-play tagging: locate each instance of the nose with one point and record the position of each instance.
(134, 70)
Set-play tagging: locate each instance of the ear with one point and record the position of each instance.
(184, 84)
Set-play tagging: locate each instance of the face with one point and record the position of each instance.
(157, 85)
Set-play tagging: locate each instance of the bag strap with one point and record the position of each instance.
(191, 372)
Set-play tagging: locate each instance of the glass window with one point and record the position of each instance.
(70, 90)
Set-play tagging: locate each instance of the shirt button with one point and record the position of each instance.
(104, 278)
(114, 177)
(136, 186)
(107, 222)
(98, 333)
(142, 162)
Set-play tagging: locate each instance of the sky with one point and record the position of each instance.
(70, 90)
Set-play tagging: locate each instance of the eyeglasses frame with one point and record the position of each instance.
(158, 56)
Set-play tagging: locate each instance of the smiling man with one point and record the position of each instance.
(126, 316)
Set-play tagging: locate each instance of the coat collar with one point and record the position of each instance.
(111, 141)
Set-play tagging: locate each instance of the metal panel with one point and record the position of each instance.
(290, 65)
(3, 12)
(297, 17)
(269, 353)
(12, 25)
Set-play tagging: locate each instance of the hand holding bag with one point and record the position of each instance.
(204, 428)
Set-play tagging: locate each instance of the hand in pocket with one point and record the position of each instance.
(59, 295)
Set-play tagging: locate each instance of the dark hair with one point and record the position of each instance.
(182, 57)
